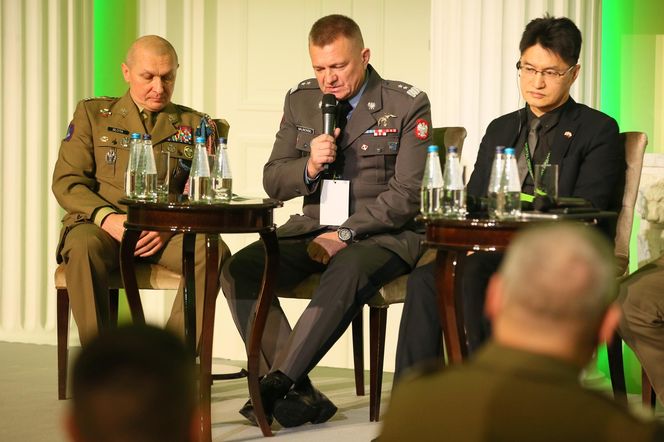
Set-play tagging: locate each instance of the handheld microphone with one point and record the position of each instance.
(329, 109)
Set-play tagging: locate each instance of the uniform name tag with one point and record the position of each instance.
(334, 202)
(117, 130)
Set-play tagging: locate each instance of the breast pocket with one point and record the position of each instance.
(303, 143)
(106, 159)
(377, 159)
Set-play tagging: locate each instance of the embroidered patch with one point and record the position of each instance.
(421, 129)
(183, 135)
(306, 130)
(70, 132)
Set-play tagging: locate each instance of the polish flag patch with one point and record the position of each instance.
(421, 129)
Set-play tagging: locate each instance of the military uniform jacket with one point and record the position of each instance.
(506, 394)
(383, 154)
(90, 170)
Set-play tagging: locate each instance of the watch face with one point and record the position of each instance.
(345, 234)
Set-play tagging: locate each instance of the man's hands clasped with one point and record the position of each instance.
(149, 242)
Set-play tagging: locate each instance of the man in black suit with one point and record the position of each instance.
(551, 129)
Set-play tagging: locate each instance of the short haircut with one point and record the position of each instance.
(134, 383)
(562, 273)
(558, 35)
(154, 43)
(327, 29)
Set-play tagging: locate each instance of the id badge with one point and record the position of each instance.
(334, 202)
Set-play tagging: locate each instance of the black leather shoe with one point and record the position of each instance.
(303, 404)
(273, 387)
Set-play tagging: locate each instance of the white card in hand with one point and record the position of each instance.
(334, 202)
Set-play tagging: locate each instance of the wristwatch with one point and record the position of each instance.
(345, 234)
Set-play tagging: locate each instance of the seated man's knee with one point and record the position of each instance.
(87, 241)
(242, 271)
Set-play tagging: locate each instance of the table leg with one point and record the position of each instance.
(211, 290)
(450, 312)
(128, 272)
(256, 335)
(189, 292)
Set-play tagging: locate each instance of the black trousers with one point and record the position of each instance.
(420, 332)
(350, 279)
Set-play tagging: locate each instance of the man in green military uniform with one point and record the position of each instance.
(88, 182)
(550, 303)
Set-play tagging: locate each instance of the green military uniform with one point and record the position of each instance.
(381, 152)
(642, 321)
(505, 394)
(88, 182)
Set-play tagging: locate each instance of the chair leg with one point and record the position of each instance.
(616, 370)
(648, 396)
(63, 340)
(377, 323)
(113, 301)
(358, 353)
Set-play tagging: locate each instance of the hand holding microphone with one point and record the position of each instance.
(323, 147)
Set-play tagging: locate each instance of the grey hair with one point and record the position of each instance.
(560, 272)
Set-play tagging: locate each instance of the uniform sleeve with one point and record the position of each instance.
(400, 203)
(74, 184)
(283, 174)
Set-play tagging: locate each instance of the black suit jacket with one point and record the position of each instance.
(586, 147)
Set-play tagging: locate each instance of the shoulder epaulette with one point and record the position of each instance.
(104, 98)
(310, 83)
(402, 87)
(193, 111)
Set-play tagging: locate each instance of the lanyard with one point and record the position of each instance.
(529, 163)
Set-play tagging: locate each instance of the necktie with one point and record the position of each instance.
(148, 120)
(533, 135)
(343, 109)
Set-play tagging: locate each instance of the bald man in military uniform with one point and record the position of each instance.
(89, 176)
(372, 165)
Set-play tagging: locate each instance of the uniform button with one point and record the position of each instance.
(306, 144)
(297, 190)
(379, 149)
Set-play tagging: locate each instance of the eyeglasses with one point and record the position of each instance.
(548, 74)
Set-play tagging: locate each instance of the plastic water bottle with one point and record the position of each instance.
(199, 175)
(454, 194)
(494, 181)
(510, 187)
(222, 178)
(135, 146)
(432, 185)
(146, 172)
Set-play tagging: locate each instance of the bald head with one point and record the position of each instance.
(152, 44)
(150, 70)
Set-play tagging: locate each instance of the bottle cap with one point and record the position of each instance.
(432, 148)
(509, 151)
(200, 140)
(135, 136)
(222, 140)
(452, 149)
(500, 149)
(147, 136)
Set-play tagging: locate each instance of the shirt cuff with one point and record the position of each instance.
(308, 181)
(101, 215)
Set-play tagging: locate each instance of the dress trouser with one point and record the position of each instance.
(642, 321)
(350, 279)
(420, 332)
(91, 255)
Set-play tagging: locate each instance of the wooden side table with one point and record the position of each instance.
(241, 216)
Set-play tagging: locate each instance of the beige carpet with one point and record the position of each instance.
(31, 412)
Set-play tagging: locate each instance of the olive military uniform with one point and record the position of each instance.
(88, 182)
(505, 394)
(381, 151)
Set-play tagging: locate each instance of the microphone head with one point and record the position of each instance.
(329, 104)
